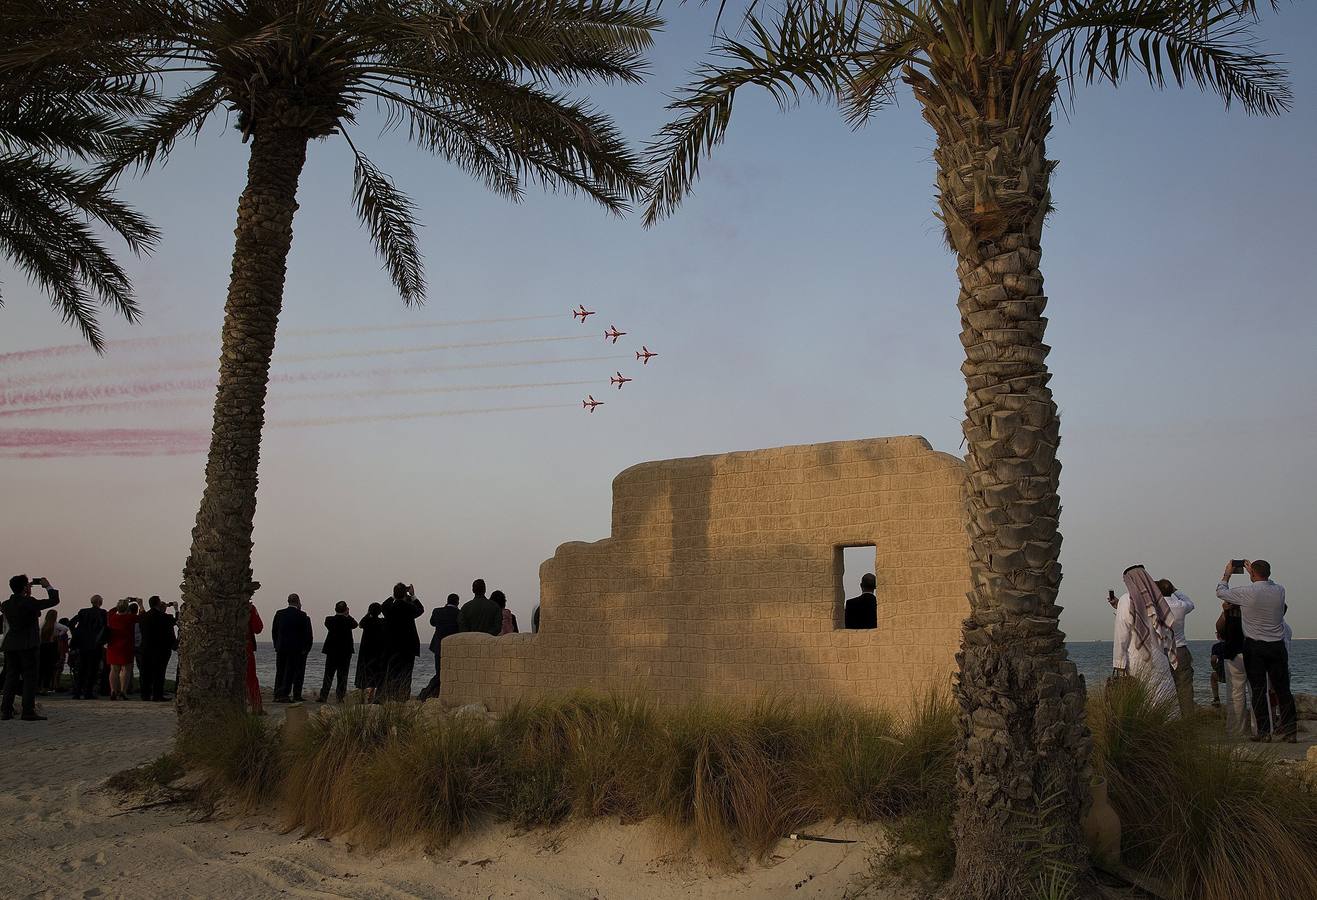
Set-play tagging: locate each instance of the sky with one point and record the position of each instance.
(803, 294)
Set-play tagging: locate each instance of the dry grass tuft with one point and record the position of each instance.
(244, 753)
(1211, 820)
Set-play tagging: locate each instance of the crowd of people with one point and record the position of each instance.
(1251, 656)
(386, 649)
(112, 654)
(127, 650)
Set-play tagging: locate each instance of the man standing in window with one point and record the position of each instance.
(862, 611)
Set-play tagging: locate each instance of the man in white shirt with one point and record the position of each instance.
(1262, 607)
(1180, 606)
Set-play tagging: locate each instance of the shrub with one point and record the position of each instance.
(245, 753)
(1210, 820)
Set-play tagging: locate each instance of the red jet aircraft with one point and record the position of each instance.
(581, 313)
(619, 380)
(613, 333)
(591, 403)
(645, 356)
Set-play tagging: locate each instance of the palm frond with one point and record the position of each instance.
(1211, 44)
(44, 232)
(389, 216)
(809, 49)
(155, 136)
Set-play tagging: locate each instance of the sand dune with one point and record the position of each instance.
(65, 836)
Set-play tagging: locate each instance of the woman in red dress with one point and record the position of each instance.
(254, 627)
(119, 652)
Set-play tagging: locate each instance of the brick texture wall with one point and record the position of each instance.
(722, 578)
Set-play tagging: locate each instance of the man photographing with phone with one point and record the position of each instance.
(1261, 605)
(22, 643)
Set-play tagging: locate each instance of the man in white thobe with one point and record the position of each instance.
(1143, 640)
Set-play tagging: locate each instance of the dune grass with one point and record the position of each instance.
(1210, 820)
(725, 780)
(1206, 819)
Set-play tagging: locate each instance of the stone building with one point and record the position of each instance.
(723, 578)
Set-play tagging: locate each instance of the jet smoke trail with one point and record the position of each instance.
(428, 348)
(47, 443)
(149, 343)
(403, 417)
(123, 405)
(96, 392)
(31, 378)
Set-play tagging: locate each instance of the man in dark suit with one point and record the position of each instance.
(862, 611)
(444, 621)
(22, 644)
(480, 613)
(158, 642)
(88, 628)
(293, 640)
(338, 649)
(401, 641)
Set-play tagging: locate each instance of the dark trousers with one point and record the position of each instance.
(87, 673)
(289, 672)
(154, 664)
(336, 666)
(398, 676)
(1269, 661)
(431, 690)
(21, 664)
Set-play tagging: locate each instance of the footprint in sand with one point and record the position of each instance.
(71, 865)
(96, 859)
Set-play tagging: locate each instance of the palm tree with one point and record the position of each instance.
(74, 111)
(987, 74)
(480, 83)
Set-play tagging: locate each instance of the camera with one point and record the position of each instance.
(1237, 567)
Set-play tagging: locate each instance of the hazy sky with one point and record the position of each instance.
(802, 295)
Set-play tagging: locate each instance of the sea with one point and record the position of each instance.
(1092, 657)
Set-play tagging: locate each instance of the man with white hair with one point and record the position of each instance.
(88, 626)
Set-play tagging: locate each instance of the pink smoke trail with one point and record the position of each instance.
(154, 402)
(150, 343)
(48, 443)
(84, 394)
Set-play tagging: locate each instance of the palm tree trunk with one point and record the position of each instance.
(1023, 762)
(217, 580)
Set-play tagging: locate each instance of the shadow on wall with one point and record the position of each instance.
(720, 580)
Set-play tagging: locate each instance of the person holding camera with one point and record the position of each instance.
(1261, 605)
(402, 641)
(121, 649)
(22, 644)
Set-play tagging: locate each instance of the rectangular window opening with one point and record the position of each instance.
(851, 563)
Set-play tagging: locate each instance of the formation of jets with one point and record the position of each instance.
(644, 355)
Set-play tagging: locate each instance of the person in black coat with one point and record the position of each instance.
(370, 655)
(862, 611)
(22, 644)
(401, 640)
(158, 642)
(338, 649)
(444, 621)
(293, 640)
(87, 632)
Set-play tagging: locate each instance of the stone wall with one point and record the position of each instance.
(722, 578)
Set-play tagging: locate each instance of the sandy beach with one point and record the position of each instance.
(68, 836)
